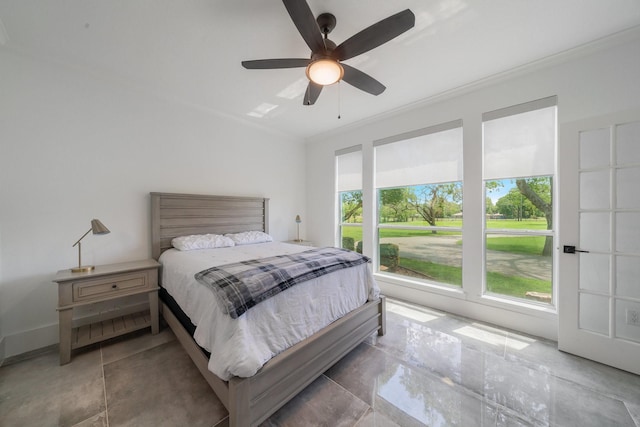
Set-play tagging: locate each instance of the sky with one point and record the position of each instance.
(495, 195)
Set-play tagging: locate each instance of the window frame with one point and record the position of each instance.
(442, 127)
(503, 113)
(338, 194)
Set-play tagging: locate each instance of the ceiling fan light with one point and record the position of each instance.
(325, 71)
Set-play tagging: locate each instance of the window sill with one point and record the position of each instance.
(519, 306)
(513, 305)
(450, 291)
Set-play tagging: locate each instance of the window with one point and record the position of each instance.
(519, 165)
(419, 191)
(349, 188)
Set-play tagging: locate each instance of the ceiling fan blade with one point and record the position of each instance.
(306, 23)
(375, 35)
(266, 64)
(312, 93)
(362, 81)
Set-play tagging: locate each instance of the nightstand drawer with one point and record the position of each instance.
(108, 287)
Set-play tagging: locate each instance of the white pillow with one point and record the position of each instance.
(249, 237)
(201, 241)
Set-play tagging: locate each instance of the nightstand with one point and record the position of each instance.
(105, 282)
(300, 242)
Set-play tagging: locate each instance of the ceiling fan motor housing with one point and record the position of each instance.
(326, 22)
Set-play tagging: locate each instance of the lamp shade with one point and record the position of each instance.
(325, 71)
(98, 228)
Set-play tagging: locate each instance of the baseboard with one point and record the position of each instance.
(30, 355)
(27, 341)
(45, 336)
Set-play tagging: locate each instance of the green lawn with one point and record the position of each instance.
(387, 232)
(438, 272)
(356, 233)
(511, 224)
(527, 224)
(515, 286)
(353, 232)
(515, 244)
(496, 282)
(531, 245)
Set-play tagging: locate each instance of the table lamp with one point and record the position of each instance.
(98, 228)
(298, 221)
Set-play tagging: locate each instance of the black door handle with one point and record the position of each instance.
(572, 250)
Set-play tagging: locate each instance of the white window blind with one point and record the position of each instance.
(349, 169)
(428, 156)
(520, 141)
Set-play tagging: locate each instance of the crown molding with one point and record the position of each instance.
(621, 37)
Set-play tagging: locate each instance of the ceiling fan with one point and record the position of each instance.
(325, 67)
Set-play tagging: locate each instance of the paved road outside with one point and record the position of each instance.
(445, 250)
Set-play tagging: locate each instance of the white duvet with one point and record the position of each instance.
(239, 347)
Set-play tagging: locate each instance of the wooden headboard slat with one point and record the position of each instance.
(221, 202)
(174, 215)
(210, 221)
(210, 212)
(171, 232)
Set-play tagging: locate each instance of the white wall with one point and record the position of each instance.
(76, 145)
(590, 81)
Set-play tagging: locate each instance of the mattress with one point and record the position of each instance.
(239, 347)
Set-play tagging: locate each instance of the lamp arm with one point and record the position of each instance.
(83, 236)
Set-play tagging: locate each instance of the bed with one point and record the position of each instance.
(251, 400)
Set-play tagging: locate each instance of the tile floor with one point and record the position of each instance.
(430, 369)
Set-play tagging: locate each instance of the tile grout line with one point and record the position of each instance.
(362, 417)
(626, 406)
(349, 392)
(104, 387)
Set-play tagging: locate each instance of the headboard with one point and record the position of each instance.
(174, 215)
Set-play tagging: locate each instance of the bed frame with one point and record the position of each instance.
(252, 400)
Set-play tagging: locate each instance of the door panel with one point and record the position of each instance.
(599, 213)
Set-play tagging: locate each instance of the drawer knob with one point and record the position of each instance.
(114, 286)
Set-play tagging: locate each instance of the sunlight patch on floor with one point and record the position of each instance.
(518, 342)
(420, 315)
(483, 333)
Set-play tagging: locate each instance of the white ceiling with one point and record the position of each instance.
(190, 51)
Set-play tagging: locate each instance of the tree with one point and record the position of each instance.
(506, 206)
(351, 203)
(490, 186)
(515, 205)
(489, 206)
(393, 203)
(430, 201)
(538, 192)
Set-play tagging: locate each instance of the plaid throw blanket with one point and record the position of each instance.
(242, 285)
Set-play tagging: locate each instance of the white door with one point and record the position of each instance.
(599, 213)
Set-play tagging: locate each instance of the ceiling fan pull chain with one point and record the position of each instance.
(339, 98)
